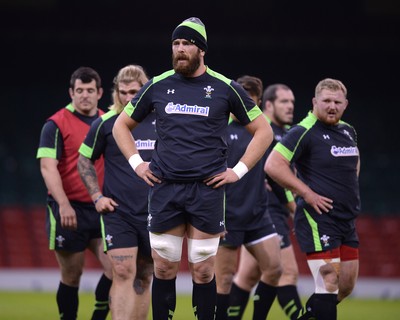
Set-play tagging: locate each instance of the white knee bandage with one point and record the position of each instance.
(315, 266)
(167, 246)
(201, 249)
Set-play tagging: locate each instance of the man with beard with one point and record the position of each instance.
(188, 170)
(324, 150)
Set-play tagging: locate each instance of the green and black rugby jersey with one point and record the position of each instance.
(326, 160)
(120, 181)
(192, 117)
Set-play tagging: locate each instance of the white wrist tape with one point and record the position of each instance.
(240, 169)
(135, 160)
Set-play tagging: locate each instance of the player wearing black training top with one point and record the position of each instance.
(123, 200)
(324, 151)
(278, 106)
(188, 169)
(247, 223)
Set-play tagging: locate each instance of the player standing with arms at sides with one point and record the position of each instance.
(248, 224)
(278, 106)
(123, 200)
(325, 153)
(188, 170)
(73, 223)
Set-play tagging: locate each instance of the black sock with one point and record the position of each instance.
(67, 301)
(204, 300)
(263, 298)
(163, 298)
(102, 294)
(325, 306)
(320, 306)
(222, 306)
(238, 299)
(307, 312)
(289, 300)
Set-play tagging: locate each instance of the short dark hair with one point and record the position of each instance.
(251, 84)
(270, 92)
(86, 75)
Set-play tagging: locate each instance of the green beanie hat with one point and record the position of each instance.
(193, 30)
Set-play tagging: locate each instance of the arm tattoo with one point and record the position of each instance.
(88, 174)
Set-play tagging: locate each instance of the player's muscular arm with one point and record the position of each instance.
(52, 179)
(88, 175)
(262, 138)
(278, 168)
(122, 135)
(126, 143)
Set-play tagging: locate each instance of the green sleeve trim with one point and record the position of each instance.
(49, 152)
(129, 109)
(46, 153)
(86, 151)
(254, 113)
(306, 123)
(285, 152)
(289, 195)
(314, 229)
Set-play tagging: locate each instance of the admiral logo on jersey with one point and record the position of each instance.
(172, 108)
(145, 144)
(344, 151)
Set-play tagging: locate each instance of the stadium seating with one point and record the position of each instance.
(24, 243)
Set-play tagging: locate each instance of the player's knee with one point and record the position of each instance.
(290, 274)
(201, 249)
(224, 282)
(253, 277)
(71, 275)
(122, 272)
(272, 274)
(167, 246)
(325, 275)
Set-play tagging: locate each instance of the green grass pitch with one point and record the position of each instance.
(42, 305)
